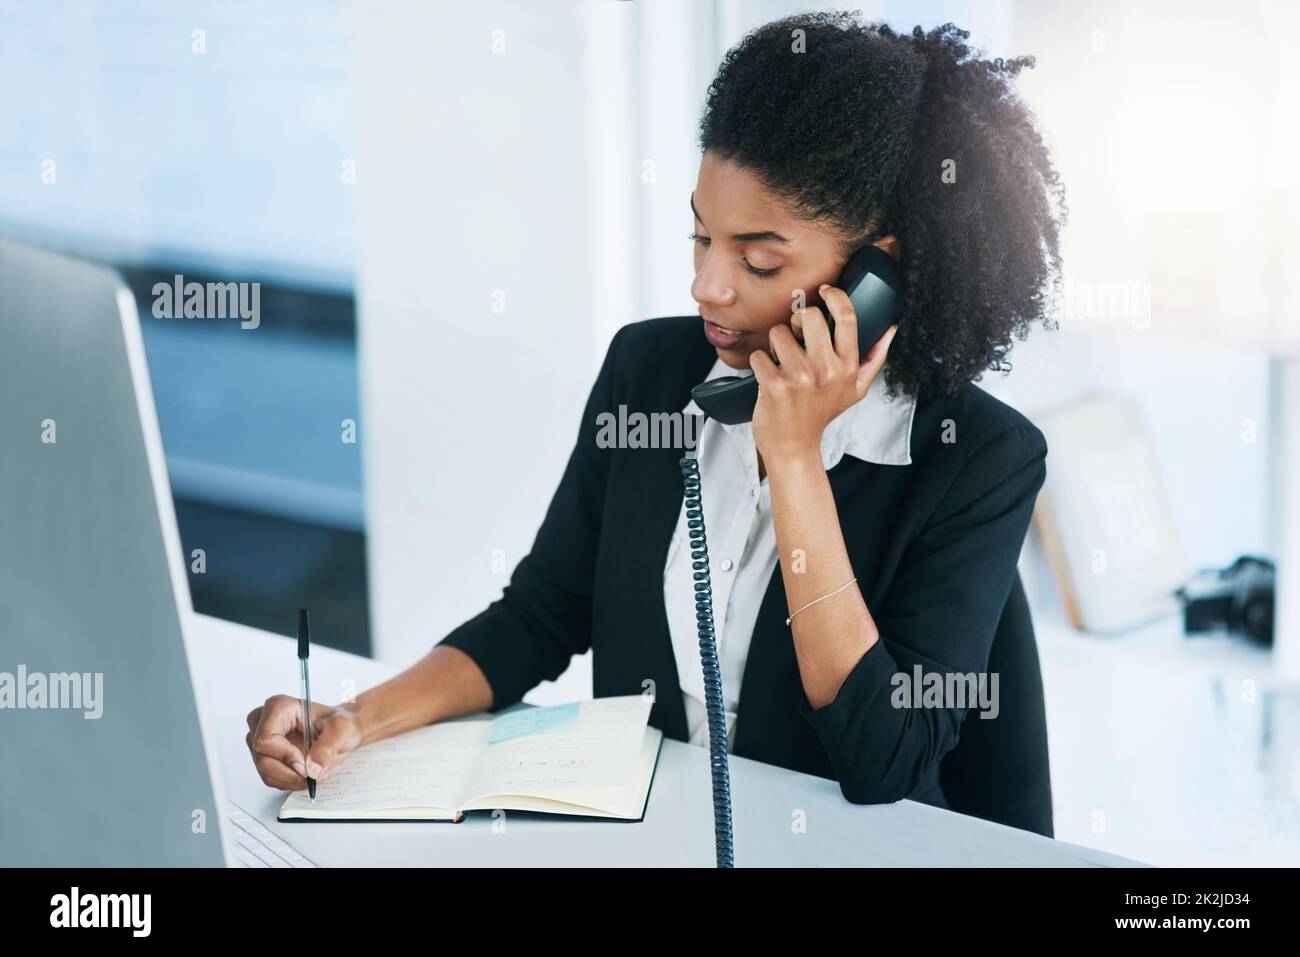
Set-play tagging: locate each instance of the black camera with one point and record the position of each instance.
(1238, 599)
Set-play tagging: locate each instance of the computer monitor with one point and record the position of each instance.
(103, 740)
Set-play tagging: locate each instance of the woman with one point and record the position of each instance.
(883, 515)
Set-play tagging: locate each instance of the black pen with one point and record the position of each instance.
(304, 649)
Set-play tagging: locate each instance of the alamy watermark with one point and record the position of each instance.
(950, 689)
(59, 690)
(209, 300)
(1107, 301)
(130, 911)
(653, 430)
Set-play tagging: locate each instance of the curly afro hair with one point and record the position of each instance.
(874, 131)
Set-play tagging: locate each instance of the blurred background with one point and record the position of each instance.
(451, 208)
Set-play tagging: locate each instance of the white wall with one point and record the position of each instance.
(472, 176)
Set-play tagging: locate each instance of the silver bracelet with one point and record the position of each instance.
(816, 600)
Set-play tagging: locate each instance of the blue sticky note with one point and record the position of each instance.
(532, 721)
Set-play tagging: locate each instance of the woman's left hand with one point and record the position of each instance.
(812, 385)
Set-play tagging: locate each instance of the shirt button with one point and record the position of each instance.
(726, 564)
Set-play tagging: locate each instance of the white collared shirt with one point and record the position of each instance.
(742, 538)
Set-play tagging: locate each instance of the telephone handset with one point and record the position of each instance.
(875, 287)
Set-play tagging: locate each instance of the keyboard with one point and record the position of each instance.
(256, 845)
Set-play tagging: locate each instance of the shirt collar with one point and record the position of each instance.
(874, 429)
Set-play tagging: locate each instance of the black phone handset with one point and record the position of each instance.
(875, 287)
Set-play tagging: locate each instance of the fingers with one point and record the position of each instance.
(846, 323)
(282, 714)
(787, 350)
(320, 761)
(279, 762)
(338, 737)
(275, 773)
(875, 359)
(820, 354)
(765, 370)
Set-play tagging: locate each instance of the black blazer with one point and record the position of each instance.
(934, 545)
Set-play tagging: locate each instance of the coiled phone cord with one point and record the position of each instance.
(713, 701)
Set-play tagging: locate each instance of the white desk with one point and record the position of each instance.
(243, 667)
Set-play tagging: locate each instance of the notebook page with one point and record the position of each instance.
(427, 767)
(543, 751)
(625, 801)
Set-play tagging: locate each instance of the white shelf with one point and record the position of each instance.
(1162, 644)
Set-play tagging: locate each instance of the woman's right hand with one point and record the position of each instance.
(276, 741)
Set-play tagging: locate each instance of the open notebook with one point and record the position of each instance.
(590, 759)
